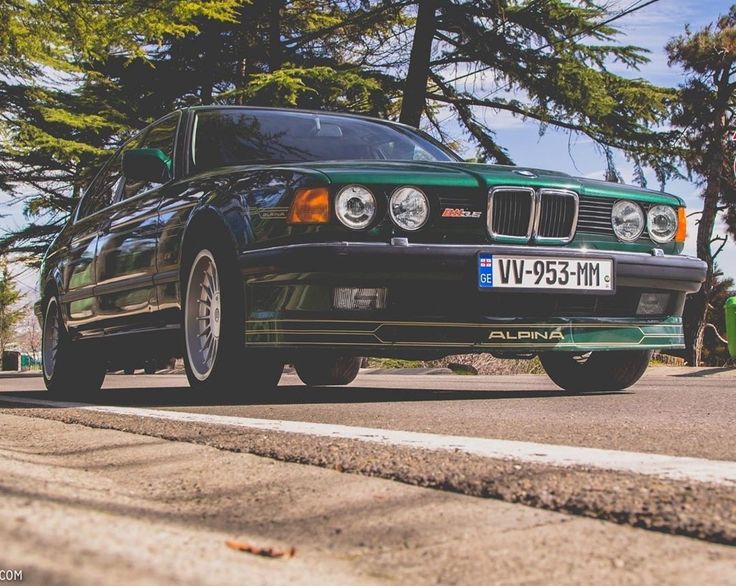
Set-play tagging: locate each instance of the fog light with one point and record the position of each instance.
(653, 303)
(359, 298)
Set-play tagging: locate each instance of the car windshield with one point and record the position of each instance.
(241, 137)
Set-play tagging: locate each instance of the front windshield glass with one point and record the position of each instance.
(240, 137)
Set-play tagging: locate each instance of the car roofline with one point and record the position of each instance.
(300, 111)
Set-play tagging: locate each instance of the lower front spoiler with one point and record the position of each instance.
(373, 338)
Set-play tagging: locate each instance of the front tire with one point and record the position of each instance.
(68, 371)
(215, 357)
(613, 370)
(328, 370)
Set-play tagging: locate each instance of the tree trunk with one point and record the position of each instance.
(415, 89)
(274, 34)
(700, 300)
(714, 176)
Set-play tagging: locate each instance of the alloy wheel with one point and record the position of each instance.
(51, 338)
(203, 314)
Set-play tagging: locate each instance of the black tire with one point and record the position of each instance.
(232, 371)
(328, 370)
(596, 371)
(69, 370)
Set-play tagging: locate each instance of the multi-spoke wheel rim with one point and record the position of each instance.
(50, 345)
(203, 314)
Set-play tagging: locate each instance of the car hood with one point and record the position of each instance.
(461, 174)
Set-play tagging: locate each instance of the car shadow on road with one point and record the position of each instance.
(290, 395)
(706, 372)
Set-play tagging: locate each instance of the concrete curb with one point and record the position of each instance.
(22, 374)
(290, 370)
(405, 371)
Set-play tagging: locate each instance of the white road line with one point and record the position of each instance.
(672, 467)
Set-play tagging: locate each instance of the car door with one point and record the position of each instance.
(126, 249)
(78, 251)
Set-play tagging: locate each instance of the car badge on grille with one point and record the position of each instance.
(460, 213)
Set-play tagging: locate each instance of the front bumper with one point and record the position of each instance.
(435, 307)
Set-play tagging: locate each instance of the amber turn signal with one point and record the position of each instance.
(310, 206)
(681, 233)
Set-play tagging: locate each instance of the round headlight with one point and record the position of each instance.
(355, 206)
(627, 219)
(409, 208)
(661, 223)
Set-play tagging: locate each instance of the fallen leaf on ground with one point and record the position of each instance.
(269, 552)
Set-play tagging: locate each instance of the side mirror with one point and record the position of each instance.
(150, 165)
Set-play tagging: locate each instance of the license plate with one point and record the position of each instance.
(497, 271)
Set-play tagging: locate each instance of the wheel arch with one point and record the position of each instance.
(51, 283)
(210, 221)
(50, 288)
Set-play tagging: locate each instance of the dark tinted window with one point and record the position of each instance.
(160, 136)
(103, 189)
(235, 136)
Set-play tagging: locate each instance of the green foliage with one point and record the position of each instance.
(10, 315)
(62, 109)
(318, 87)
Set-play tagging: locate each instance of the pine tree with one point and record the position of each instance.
(546, 61)
(10, 314)
(705, 119)
(61, 114)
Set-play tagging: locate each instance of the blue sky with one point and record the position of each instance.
(650, 28)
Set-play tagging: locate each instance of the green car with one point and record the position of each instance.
(244, 238)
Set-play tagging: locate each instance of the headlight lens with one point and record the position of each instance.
(355, 206)
(662, 223)
(409, 208)
(627, 219)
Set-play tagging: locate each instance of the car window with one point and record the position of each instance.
(102, 192)
(394, 150)
(159, 136)
(242, 136)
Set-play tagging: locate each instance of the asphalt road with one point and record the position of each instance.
(392, 480)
